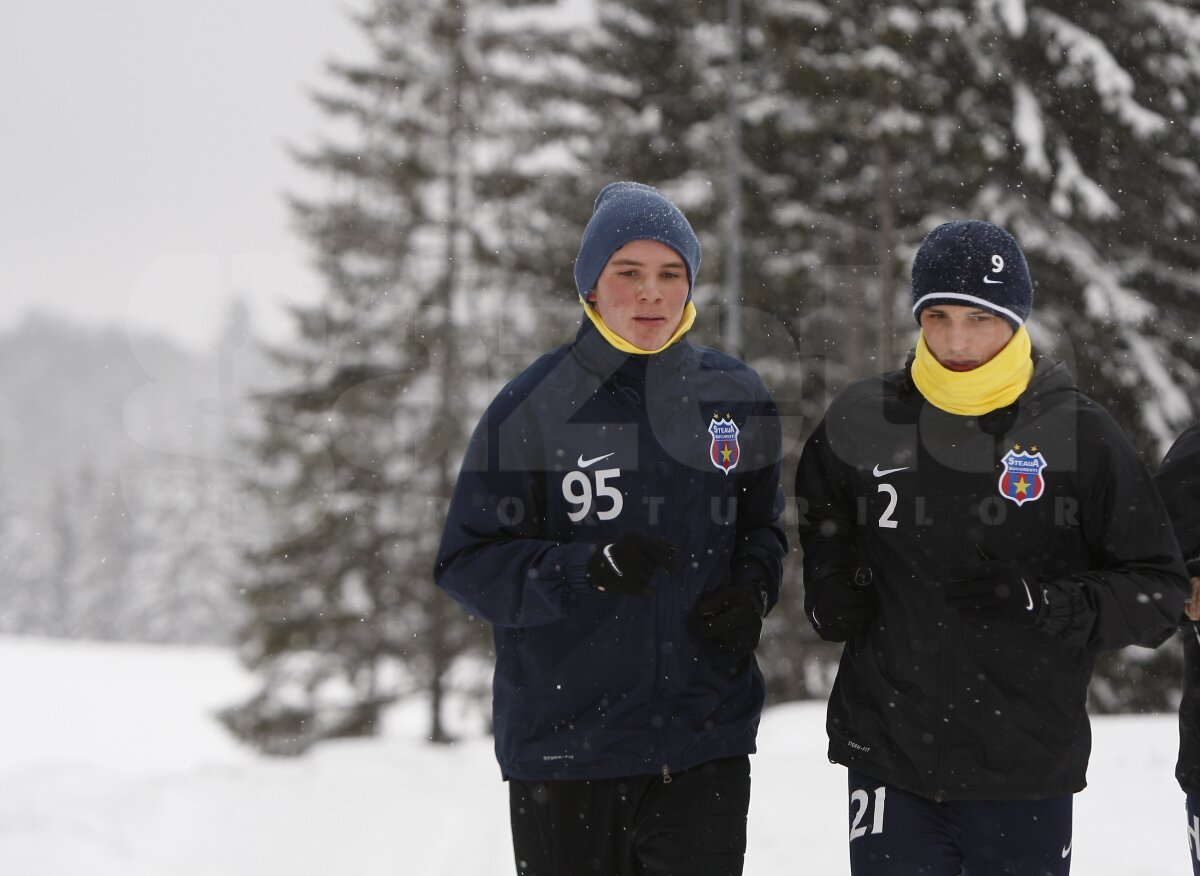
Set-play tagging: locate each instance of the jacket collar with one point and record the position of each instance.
(603, 359)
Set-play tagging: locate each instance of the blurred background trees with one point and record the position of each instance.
(811, 144)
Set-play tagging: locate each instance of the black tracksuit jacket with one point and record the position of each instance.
(1178, 481)
(925, 700)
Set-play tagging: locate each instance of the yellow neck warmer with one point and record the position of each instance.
(689, 317)
(995, 384)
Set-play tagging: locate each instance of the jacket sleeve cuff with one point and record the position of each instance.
(574, 566)
(1063, 608)
(1193, 567)
(752, 575)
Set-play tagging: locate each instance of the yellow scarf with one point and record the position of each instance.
(689, 317)
(995, 384)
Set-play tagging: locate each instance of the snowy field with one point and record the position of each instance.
(110, 763)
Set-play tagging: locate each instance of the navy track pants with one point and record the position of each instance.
(896, 833)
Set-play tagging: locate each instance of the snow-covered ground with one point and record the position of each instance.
(110, 763)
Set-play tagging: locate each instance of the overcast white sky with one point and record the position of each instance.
(143, 157)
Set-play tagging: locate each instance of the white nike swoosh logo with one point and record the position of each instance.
(584, 463)
(992, 282)
(608, 556)
(880, 472)
(1067, 849)
(1029, 607)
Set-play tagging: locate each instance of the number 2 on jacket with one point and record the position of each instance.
(885, 519)
(577, 489)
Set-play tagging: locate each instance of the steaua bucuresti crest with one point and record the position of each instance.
(1022, 481)
(724, 450)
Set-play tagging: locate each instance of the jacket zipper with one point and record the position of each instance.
(942, 733)
(662, 661)
(941, 714)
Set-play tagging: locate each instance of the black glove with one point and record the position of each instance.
(731, 618)
(627, 564)
(840, 608)
(996, 590)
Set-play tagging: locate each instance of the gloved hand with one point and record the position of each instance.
(840, 608)
(731, 617)
(996, 590)
(627, 564)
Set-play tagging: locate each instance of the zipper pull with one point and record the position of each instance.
(666, 775)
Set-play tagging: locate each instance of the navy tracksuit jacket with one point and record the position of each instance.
(585, 444)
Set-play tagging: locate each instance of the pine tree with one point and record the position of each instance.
(539, 185)
(101, 563)
(359, 455)
(581, 103)
(186, 526)
(1106, 131)
(1068, 124)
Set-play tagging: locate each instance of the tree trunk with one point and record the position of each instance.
(732, 342)
(887, 262)
(439, 663)
(448, 416)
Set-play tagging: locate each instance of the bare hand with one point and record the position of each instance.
(1192, 609)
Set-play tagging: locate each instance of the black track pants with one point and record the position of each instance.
(695, 825)
(1193, 831)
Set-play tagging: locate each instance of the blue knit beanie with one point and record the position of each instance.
(973, 264)
(628, 211)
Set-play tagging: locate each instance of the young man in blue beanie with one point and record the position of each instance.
(616, 520)
(1178, 481)
(976, 531)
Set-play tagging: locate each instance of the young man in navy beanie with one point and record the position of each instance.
(976, 531)
(616, 520)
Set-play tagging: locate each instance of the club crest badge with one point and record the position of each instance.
(1022, 481)
(724, 450)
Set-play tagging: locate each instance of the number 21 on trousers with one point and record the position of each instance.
(859, 804)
